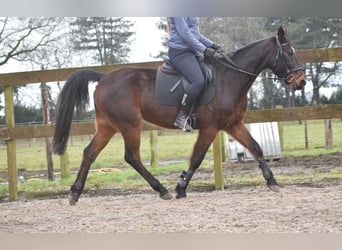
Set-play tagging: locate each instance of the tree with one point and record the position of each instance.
(312, 33)
(273, 93)
(233, 32)
(335, 98)
(21, 37)
(108, 37)
(162, 25)
(57, 52)
(25, 115)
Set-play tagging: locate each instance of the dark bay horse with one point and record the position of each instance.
(124, 97)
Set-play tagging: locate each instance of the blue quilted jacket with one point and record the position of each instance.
(185, 34)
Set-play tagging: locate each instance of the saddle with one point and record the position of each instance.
(170, 84)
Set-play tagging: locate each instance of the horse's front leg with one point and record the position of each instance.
(242, 135)
(204, 140)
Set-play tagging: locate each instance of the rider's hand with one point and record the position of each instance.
(216, 47)
(209, 53)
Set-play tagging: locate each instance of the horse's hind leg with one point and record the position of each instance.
(242, 135)
(132, 156)
(101, 138)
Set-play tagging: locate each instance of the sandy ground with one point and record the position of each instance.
(298, 208)
(295, 209)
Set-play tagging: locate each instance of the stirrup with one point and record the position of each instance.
(185, 126)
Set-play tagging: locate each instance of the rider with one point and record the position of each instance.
(185, 42)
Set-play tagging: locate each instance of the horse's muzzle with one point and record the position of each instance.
(296, 80)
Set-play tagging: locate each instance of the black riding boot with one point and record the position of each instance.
(183, 116)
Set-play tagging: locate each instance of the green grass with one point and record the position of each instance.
(294, 138)
(289, 179)
(31, 155)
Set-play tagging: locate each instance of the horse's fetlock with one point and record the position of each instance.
(184, 179)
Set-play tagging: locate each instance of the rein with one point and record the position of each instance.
(231, 64)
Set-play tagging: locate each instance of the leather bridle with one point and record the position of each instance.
(288, 75)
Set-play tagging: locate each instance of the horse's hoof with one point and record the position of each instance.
(274, 188)
(73, 198)
(166, 196)
(72, 201)
(180, 192)
(181, 195)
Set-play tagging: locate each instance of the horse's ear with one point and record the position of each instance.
(281, 33)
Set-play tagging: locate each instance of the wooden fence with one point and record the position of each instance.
(10, 133)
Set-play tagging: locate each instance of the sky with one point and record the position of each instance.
(148, 39)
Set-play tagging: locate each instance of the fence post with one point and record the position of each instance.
(154, 148)
(328, 134)
(11, 146)
(46, 120)
(218, 171)
(64, 162)
(281, 130)
(223, 146)
(306, 136)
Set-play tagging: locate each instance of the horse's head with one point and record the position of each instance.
(285, 64)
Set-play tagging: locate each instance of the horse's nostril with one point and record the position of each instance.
(302, 84)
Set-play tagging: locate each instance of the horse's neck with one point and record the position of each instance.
(253, 57)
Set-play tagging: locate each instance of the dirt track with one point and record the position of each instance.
(298, 208)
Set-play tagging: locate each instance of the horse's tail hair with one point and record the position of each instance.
(74, 94)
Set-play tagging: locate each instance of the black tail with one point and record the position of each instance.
(74, 94)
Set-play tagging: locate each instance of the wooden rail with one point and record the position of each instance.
(320, 55)
(18, 78)
(42, 131)
(11, 133)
